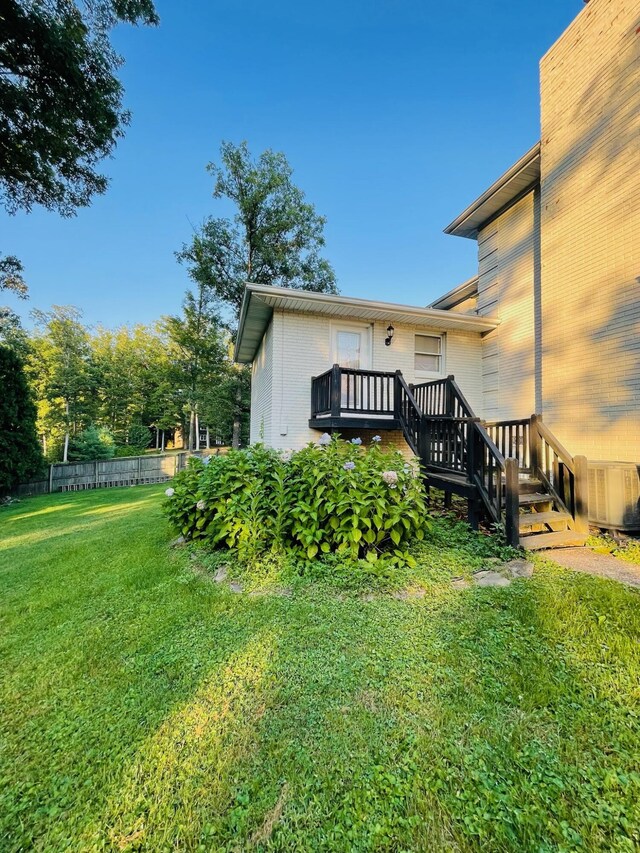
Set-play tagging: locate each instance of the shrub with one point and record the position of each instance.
(128, 450)
(139, 436)
(332, 497)
(92, 443)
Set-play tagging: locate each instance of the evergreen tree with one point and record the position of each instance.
(21, 457)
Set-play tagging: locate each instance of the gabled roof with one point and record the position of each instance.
(457, 295)
(516, 182)
(260, 301)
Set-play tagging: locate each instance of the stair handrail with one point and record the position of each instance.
(412, 437)
(565, 477)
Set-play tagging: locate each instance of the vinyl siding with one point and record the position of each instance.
(508, 276)
(590, 307)
(261, 391)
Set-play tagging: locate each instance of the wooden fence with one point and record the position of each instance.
(105, 473)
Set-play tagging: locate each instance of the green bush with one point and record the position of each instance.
(128, 450)
(139, 436)
(332, 497)
(92, 443)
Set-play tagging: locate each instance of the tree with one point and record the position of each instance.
(61, 369)
(11, 280)
(60, 100)
(274, 238)
(198, 352)
(21, 457)
(92, 443)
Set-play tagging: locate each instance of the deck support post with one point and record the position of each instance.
(512, 502)
(581, 494)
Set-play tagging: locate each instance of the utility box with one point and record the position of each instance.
(614, 495)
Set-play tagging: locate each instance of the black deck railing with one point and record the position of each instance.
(345, 391)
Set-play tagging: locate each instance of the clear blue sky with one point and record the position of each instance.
(394, 115)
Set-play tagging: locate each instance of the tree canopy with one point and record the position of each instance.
(61, 108)
(274, 238)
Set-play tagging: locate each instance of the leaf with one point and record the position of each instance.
(395, 536)
(312, 550)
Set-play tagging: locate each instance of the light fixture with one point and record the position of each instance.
(389, 338)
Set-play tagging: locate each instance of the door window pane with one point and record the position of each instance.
(348, 346)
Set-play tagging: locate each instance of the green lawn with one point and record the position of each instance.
(146, 708)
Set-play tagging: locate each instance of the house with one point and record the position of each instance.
(549, 325)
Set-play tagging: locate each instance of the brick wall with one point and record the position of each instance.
(590, 214)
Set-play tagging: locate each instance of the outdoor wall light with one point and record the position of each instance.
(389, 338)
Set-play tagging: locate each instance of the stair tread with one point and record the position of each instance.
(531, 518)
(535, 498)
(561, 539)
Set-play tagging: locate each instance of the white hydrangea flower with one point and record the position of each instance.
(286, 455)
(324, 439)
(201, 505)
(170, 493)
(390, 477)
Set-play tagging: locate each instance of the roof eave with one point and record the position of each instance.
(510, 187)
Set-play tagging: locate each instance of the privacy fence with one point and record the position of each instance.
(105, 473)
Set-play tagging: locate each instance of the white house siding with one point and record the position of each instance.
(261, 391)
(508, 278)
(590, 93)
(302, 349)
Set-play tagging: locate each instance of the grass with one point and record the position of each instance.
(145, 707)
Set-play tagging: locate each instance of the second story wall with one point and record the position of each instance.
(590, 212)
(509, 265)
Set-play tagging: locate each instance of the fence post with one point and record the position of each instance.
(139, 469)
(581, 493)
(336, 391)
(51, 478)
(95, 474)
(512, 503)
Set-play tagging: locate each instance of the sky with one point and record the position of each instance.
(394, 115)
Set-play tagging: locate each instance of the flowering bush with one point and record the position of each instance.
(331, 497)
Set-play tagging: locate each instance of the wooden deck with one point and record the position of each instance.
(495, 466)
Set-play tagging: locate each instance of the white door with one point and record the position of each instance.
(351, 348)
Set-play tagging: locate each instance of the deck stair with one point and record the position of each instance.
(515, 474)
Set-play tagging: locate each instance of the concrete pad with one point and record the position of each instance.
(519, 568)
(592, 563)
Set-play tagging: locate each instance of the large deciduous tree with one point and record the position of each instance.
(61, 108)
(274, 238)
(21, 457)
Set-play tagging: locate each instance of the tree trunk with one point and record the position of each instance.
(163, 441)
(65, 453)
(196, 442)
(208, 442)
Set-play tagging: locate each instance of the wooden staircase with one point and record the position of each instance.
(542, 522)
(514, 473)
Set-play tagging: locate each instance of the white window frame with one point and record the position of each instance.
(429, 374)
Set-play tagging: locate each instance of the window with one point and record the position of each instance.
(428, 354)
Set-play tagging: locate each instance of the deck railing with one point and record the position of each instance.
(344, 391)
(512, 438)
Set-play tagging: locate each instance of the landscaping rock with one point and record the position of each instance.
(177, 543)
(460, 583)
(235, 586)
(221, 574)
(519, 568)
(491, 579)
